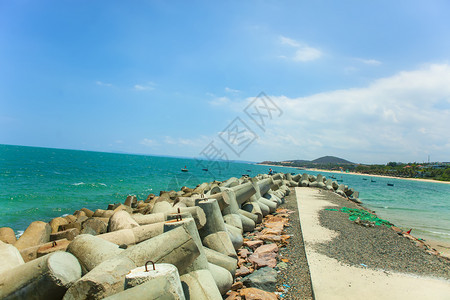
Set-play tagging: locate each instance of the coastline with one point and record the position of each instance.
(381, 176)
(360, 174)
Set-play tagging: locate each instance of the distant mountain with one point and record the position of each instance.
(325, 160)
(331, 160)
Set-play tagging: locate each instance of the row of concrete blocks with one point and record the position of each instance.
(321, 181)
(193, 248)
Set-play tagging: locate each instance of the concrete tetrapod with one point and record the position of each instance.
(233, 209)
(174, 247)
(304, 181)
(213, 234)
(121, 220)
(149, 219)
(221, 276)
(134, 235)
(255, 209)
(235, 235)
(9, 257)
(200, 285)
(92, 251)
(7, 235)
(37, 233)
(158, 288)
(47, 277)
(153, 272)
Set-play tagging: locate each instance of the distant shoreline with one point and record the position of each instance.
(361, 174)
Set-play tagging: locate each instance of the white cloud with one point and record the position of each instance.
(372, 62)
(229, 90)
(404, 117)
(145, 87)
(219, 101)
(306, 53)
(103, 83)
(288, 41)
(303, 52)
(148, 142)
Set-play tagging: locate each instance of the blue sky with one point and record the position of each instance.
(366, 81)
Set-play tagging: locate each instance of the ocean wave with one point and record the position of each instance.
(19, 233)
(78, 183)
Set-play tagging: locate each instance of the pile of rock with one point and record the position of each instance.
(180, 245)
(259, 259)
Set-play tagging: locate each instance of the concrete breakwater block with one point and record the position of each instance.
(158, 288)
(51, 247)
(9, 257)
(150, 272)
(200, 285)
(92, 251)
(7, 235)
(134, 235)
(221, 271)
(174, 247)
(37, 233)
(47, 277)
(121, 220)
(68, 234)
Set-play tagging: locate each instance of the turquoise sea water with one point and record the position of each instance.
(42, 183)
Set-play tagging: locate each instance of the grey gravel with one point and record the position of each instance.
(376, 247)
(296, 276)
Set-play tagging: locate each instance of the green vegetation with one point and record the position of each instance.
(436, 171)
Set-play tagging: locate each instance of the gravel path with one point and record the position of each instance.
(376, 247)
(297, 275)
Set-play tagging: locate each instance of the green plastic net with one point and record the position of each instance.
(362, 215)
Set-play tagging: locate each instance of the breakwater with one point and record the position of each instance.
(180, 244)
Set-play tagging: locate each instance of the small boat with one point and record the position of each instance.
(206, 170)
(364, 178)
(185, 169)
(390, 184)
(371, 180)
(249, 170)
(333, 177)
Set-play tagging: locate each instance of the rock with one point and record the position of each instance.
(263, 259)
(7, 235)
(253, 244)
(264, 279)
(244, 253)
(257, 294)
(233, 296)
(269, 248)
(37, 233)
(243, 271)
(237, 286)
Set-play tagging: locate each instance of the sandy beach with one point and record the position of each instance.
(382, 176)
(360, 174)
